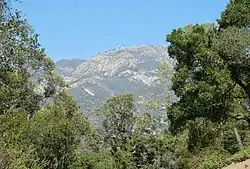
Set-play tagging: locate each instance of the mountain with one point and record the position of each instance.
(65, 67)
(124, 70)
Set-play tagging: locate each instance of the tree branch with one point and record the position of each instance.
(242, 117)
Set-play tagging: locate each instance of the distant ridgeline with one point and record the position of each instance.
(125, 70)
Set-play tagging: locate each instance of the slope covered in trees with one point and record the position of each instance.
(42, 126)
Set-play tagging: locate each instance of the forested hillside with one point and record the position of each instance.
(42, 127)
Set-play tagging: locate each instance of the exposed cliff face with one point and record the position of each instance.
(127, 69)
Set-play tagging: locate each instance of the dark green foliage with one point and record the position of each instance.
(93, 161)
(201, 80)
(50, 136)
(236, 14)
(24, 67)
(34, 133)
(211, 80)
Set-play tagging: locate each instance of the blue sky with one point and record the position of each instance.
(82, 28)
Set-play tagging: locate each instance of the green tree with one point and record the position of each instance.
(201, 81)
(233, 38)
(24, 66)
(95, 161)
(118, 122)
(49, 136)
(211, 80)
(236, 14)
(49, 139)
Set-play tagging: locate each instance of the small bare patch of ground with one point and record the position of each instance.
(241, 165)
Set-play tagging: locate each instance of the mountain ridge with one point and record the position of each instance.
(124, 70)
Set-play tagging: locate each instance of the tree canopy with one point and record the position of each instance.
(212, 82)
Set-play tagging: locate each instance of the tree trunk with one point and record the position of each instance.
(238, 138)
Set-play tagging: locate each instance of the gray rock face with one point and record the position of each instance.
(124, 70)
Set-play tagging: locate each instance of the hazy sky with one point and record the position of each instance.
(82, 28)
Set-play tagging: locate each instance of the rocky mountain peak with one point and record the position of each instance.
(123, 70)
